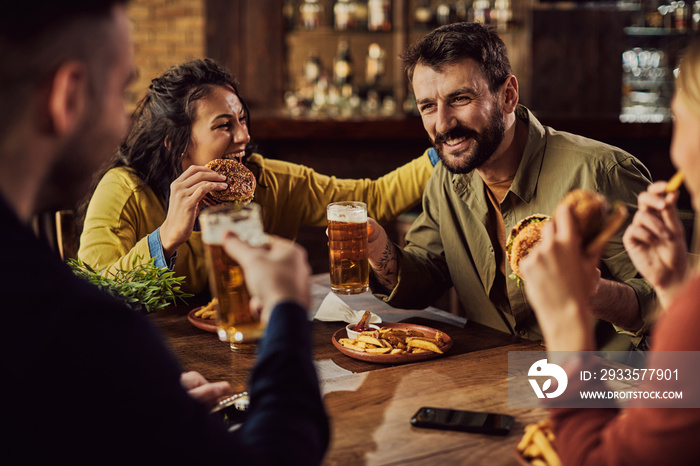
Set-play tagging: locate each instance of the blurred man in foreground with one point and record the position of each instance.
(86, 380)
(499, 164)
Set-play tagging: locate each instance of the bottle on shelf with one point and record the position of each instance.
(376, 57)
(361, 14)
(288, 13)
(668, 15)
(501, 14)
(342, 64)
(443, 13)
(652, 14)
(423, 15)
(681, 15)
(345, 15)
(312, 69)
(695, 19)
(462, 11)
(379, 15)
(311, 13)
(482, 11)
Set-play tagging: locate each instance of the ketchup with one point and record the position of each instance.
(363, 324)
(359, 328)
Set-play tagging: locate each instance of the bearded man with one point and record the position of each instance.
(499, 164)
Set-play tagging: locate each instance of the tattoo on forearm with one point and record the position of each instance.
(386, 268)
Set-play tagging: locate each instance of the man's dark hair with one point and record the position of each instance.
(455, 42)
(37, 36)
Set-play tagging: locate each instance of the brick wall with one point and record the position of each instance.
(165, 32)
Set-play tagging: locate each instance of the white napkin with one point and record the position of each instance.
(334, 309)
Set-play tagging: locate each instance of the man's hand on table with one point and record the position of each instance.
(202, 390)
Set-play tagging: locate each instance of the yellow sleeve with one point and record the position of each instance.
(121, 214)
(386, 197)
(112, 234)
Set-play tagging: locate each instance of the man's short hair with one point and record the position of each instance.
(37, 36)
(455, 42)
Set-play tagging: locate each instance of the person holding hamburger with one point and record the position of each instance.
(558, 275)
(147, 202)
(498, 165)
(118, 394)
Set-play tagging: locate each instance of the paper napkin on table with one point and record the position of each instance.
(334, 309)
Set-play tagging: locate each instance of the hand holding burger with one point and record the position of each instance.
(593, 219)
(219, 182)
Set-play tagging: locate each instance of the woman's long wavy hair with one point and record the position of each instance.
(161, 125)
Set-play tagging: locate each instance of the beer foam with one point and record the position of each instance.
(246, 225)
(347, 213)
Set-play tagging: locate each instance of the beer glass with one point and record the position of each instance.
(347, 242)
(234, 321)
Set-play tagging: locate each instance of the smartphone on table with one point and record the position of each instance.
(465, 421)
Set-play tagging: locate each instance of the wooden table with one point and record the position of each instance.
(370, 405)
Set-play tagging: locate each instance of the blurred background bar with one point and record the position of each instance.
(326, 87)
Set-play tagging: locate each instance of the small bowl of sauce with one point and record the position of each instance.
(353, 332)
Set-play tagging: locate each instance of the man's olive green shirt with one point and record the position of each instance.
(449, 243)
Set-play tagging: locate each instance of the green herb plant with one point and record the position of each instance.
(145, 287)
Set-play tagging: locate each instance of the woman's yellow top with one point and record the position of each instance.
(123, 210)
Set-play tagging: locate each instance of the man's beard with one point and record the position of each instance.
(71, 176)
(482, 149)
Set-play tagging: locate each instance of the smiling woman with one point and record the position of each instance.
(147, 202)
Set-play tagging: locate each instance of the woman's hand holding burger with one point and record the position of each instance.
(186, 194)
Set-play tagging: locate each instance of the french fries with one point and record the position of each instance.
(536, 445)
(208, 311)
(675, 182)
(394, 341)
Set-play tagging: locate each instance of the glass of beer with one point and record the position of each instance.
(235, 322)
(347, 242)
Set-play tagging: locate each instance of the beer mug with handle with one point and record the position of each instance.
(347, 242)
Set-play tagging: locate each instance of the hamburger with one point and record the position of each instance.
(240, 180)
(523, 237)
(594, 218)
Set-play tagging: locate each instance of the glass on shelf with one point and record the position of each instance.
(647, 86)
(379, 15)
(482, 11)
(501, 14)
(345, 15)
(311, 14)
